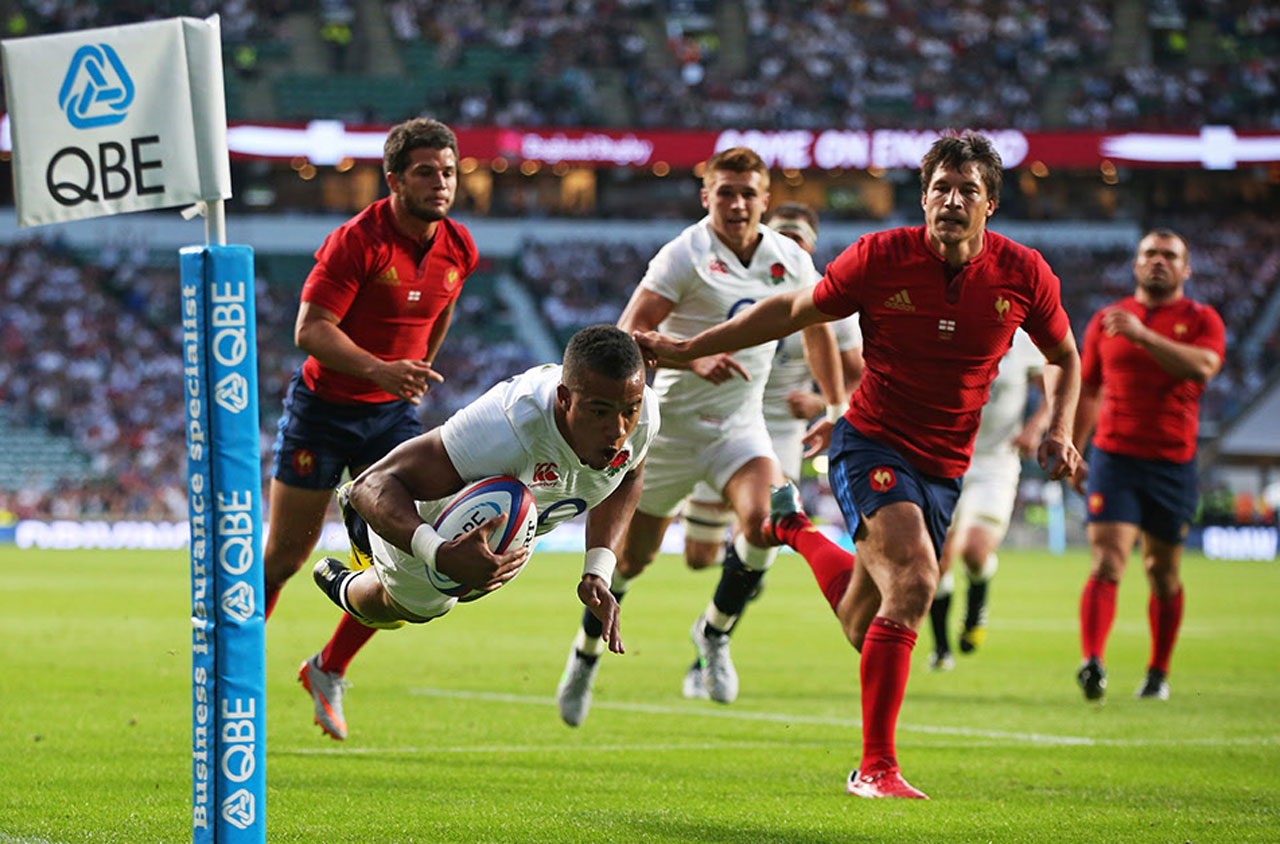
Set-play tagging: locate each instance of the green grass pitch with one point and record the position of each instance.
(455, 736)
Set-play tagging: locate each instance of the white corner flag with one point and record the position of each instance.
(122, 118)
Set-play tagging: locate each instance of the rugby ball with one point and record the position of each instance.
(474, 505)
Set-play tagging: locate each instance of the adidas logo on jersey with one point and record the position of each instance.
(390, 277)
(900, 301)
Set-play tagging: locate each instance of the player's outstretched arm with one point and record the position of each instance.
(775, 317)
(317, 333)
(606, 523)
(419, 469)
(1057, 452)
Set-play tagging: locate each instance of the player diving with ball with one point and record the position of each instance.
(575, 434)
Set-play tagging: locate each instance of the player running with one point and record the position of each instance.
(938, 304)
(990, 489)
(713, 426)
(1146, 361)
(789, 403)
(575, 434)
(374, 311)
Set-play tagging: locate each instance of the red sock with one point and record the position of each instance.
(271, 595)
(1165, 617)
(1097, 611)
(347, 640)
(832, 565)
(886, 662)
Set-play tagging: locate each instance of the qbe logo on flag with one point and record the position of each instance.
(97, 90)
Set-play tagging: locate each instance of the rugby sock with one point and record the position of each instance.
(938, 612)
(832, 566)
(886, 662)
(1097, 611)
(975, 604)
(272, 594)
(1165, 617)
(346, 641)
(976, 600)
(744, 564)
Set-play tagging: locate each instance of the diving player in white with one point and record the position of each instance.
(713, 424)
(986, 500)
(575, 434)
(789, 404)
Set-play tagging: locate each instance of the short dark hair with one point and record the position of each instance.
(734, 160)
(1162, 231)
(413, 134)
(956, 151)
(604, 349)
(795, 211)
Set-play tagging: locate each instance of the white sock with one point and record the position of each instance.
(752, 556)
(718, 619)
(589, 645)
(988, 569)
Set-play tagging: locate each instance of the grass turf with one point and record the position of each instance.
(455, 737)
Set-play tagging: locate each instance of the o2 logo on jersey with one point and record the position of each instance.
(739, 305)
(558, 512)
(882, 479)
(563, 511)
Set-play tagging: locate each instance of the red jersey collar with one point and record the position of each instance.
(388, 218)
(923, 240)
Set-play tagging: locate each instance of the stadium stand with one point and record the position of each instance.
(784, 64)
(91, 422)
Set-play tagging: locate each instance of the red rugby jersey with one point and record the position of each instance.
(387, 289)
(932, 340)
(1144, 411)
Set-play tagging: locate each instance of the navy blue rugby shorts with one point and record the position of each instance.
(316, 439)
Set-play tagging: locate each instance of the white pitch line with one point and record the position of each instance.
(543, 748)
(783, 718)
(5, 838)
(579, 749)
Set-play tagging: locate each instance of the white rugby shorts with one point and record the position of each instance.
(989, 491)
(676, 463)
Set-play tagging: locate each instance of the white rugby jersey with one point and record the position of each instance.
(790, 371)
(708, 285)
(1003, 414)
(511, 430)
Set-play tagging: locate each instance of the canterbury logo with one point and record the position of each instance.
(1002, 307)
(900, 301)
(390, 277)
(544, 474)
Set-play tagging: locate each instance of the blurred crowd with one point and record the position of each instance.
(1029, 64)
(91, 352)
(90, 349)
